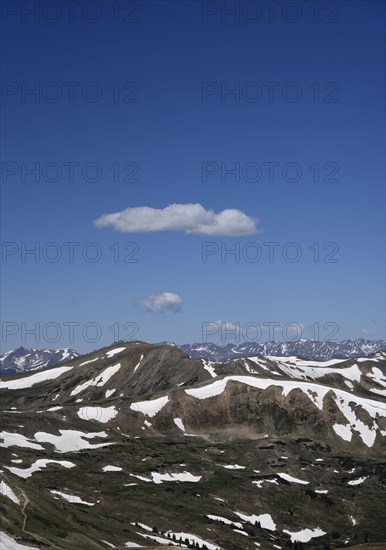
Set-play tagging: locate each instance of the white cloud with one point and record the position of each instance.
(159, 303)
(191, 218)
(368, 331)
(224, 325)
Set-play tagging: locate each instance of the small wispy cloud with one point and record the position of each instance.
(368, 331)
(226, 326)
(159, 303)
(193, 219)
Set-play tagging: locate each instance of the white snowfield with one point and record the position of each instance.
(99, 380)
(139, 363)
(66, 353)
(241, 532)
(377, 375)
(70, 440)
(17, 440)
(29, 381)
(72, 498)
(379, 392)
(208, 367)
(260, 482)
(160, 540)
(305, 535)
(236, 524)
(380, 356)
(109, 468)
(316, 393)
(193, 539)
(6, 491)
(261, 363)
(158, 478)
(265, 520)
(38, 465)
(357, 481)
(297, 362)
(113, 352)
(178, 422)
(150, 408)
(90, 361)
(234, 467)
(292, 479)
(143, 525)
(352, 373)
(100, 414)
(8, 543)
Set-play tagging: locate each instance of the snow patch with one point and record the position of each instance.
(38, 465)
(193, 539)
(17, 440)
(90, 361)
(113, 352)
(99, 380)
(70, 440)
(236, 524)
(100, 414)
(8, 543)
(138, 364)
(357, 481)
(38, 378)
(208, 367)
(178, 422)
(265, 520)
(158, 478)
(72, 498)
(150, 408)
(112, 468)
(6, 491)
(292, 479)
(304, 535)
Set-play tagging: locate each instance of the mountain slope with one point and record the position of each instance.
(140, 444)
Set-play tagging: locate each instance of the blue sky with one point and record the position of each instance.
(164, 130)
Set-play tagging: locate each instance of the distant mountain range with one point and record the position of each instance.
(23, 359)
(308, 349)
